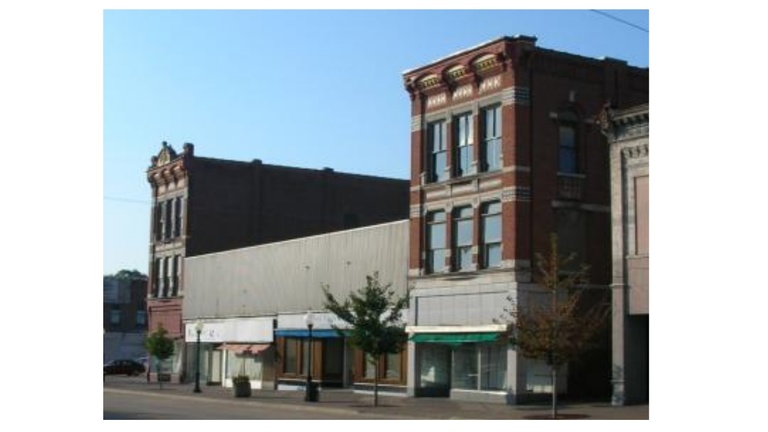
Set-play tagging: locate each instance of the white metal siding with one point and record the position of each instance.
(287, 276)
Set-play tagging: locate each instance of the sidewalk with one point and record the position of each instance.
(344, 400)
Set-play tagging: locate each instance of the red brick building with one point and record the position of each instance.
(504, 151)
(204, 205)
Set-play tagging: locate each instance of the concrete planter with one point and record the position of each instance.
(242, 387)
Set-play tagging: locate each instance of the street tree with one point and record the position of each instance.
(558, 322)
(160, 346)
(129, 274)
(374, 313)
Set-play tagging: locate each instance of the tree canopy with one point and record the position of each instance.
(557, 323)
(158, 343)
(375, 315)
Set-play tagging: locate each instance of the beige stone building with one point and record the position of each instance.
(627, 132)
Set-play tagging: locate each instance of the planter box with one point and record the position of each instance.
(242, 389)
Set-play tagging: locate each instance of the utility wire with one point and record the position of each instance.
(619, 20)
(108, 198)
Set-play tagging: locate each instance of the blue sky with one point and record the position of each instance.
(310, 89)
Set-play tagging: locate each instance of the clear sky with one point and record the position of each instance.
(310, 89)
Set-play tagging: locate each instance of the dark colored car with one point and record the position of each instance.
(124, 367)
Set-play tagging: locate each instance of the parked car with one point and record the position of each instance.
(144, 361)
(124, 367)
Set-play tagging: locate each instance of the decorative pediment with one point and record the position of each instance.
(429, 81)
(454, 73)
(166, 155)
(485, 62)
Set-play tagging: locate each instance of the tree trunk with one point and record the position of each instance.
(376, 384)
(554, 392)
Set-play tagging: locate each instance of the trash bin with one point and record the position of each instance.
(313, 395)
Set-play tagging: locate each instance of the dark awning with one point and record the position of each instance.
(454, 338)
(320, 334)
(253, 349)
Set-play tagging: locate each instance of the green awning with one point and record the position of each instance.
(454, 338)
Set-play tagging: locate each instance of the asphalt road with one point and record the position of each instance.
(131, 406)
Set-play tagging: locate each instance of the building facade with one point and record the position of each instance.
(202, 205)
(504, 151)
(627, 131)
(125, 316)
(253, 301)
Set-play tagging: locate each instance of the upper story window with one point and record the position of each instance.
(491, 144)
(436, 242)
(176, 276)
(464, 140)
(437, 151)
(567, 160)
(177, 209)
(141, 318)
(462, 235)
(156, 270)
(490, 224)
(114, 314)
(165, 289)
(168, 218)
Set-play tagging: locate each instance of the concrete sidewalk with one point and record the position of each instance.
(345, 400)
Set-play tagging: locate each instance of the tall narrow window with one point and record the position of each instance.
(567, 157)
(464, 140)
(157, 221)
(437, 151)
(177, 216)
(462, 238)
(167, 219)
(491, 147)
(156, 278)
(166, 280)
(176, 275)
(490, 225)
(436, 242)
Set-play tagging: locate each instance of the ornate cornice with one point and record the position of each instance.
(168, 166)
(626, 124)
(635, 152)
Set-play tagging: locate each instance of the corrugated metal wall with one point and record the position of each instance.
(287, 276)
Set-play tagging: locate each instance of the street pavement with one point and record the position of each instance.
(345, 402)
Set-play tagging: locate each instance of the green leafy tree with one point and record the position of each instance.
(160, 346)
(374, 313)
(130, 274)
(558, 323)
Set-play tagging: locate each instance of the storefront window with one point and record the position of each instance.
(434, 363)
(291, 356)
(370, 367)
(465, 367)
(304, 356)
(493, 367)
(492, 362)
(239, 364)
(393, 366)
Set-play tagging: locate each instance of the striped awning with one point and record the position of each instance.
(253, 349)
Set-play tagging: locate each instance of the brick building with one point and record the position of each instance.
(203, 205)
(125, 316)
(504, 151)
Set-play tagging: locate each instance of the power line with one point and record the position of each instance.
(619, 20)
(108, 198)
